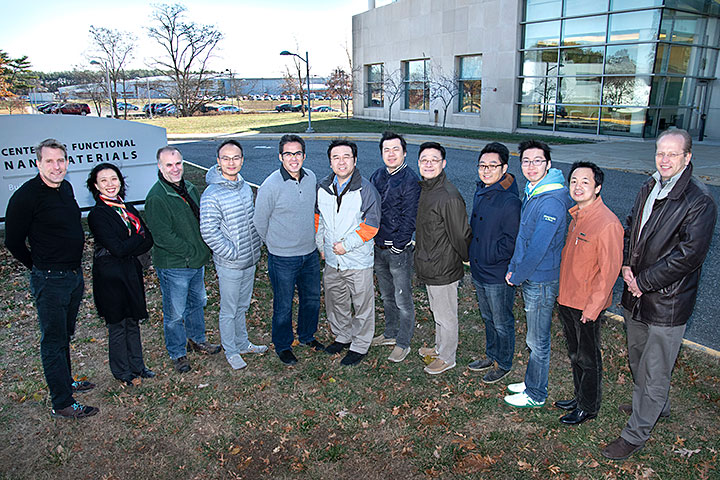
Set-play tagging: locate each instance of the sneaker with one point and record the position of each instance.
(438, 366)
(495, 375)
(381, 340)
(352, 358)
(287, 357)
(76, 410)
(398, 354)
(317, 346)
(82, 386)
(480, 365)
(237, 362)
(427, 352)
(252, 348)
(516, 387)
(522, 400)
(336, 347)
(182, 364)
(203, 347)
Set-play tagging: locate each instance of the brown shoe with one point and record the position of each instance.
(438, 366)
(626, 408)
(75, 411)
(427, 352)
(204, 347)
(620, 449)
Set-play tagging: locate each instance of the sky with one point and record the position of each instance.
(55, 35)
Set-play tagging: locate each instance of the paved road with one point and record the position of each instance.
(619, 190)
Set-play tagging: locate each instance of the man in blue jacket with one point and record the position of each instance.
(399, 190)
(494, 224)
(535, 264)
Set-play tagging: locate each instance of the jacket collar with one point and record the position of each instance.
(504, 184)
(433, 182)
(286, 175)
(355, 182)
(576, 212)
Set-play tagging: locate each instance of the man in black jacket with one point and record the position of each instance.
(442, 239)
(667, 237)
(44, 211)
(398, 187)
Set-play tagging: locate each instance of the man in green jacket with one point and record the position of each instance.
(179, 255)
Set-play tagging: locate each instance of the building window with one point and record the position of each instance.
(470, 79)
(374, 93)
(417, 85)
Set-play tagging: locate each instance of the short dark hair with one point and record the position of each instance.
(597, 172)
(388, 135)
(341, 142)
(496, 147)
(232, 142)
(434, 145)
(92, 178)
(687, 139)
(167, 148)
(49, 143)
(290, 138)
(528, 144)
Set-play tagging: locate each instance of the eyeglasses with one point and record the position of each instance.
(236, 158)
(289, 155)
(426, 161)
(485, 168)
(670, 155)
(537, 161)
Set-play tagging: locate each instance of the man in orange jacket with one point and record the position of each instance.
(590, 264)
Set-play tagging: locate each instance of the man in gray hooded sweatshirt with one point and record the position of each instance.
(226, 226)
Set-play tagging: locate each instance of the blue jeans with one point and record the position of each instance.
(184, 297)
(58, 294)
(495, 302)
(539, 302)
(394, 276)
(236, 287)
(287, 273)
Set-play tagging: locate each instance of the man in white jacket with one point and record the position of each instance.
(226, 226)
(347, 219)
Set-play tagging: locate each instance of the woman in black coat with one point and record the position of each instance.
(120, 236)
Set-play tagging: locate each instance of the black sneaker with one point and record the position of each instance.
(182, 364)
(336, 347)
(352, 358)
(287, 357)
(480, 365)
(317, 346)
(74, 411)
(82, 386)
(204, 347)
(495, 375)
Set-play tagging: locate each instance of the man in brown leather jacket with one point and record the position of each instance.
(667, 237)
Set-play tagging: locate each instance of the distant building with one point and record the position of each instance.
(602, 67)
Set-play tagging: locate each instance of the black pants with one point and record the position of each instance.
(125, 349)
(583, 341)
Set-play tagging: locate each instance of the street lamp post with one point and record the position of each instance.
(307, 75)
(107, 78)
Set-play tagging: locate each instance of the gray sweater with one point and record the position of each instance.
(285, 213)
(226, 221)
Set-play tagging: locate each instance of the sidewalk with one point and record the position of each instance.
(634, 155)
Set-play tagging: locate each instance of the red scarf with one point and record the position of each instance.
(132, 221)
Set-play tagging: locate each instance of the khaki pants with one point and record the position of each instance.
(345, 290)
(444, 305)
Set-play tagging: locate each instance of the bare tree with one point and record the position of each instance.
(188, 47)
(444, 88)
(341, 84)
(394, 87)
(112, 49)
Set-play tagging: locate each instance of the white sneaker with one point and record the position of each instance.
(236, 362)
(254, 349)
(516, 387)
(398, 354)
(522, 400)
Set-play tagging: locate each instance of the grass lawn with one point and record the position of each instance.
(325, 122)
(320, 420)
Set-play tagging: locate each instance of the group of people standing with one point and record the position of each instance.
(538, 241)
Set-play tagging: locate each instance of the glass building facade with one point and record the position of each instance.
(617, 67)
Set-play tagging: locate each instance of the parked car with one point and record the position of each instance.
(208, 108)
(169, 109)
(229, 109)
(299, 107)
(154, 107)
(71, 109)
(323, 108)
(283, 107)
(127, 106)
(46, 107)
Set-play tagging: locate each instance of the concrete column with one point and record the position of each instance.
(371, 4)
